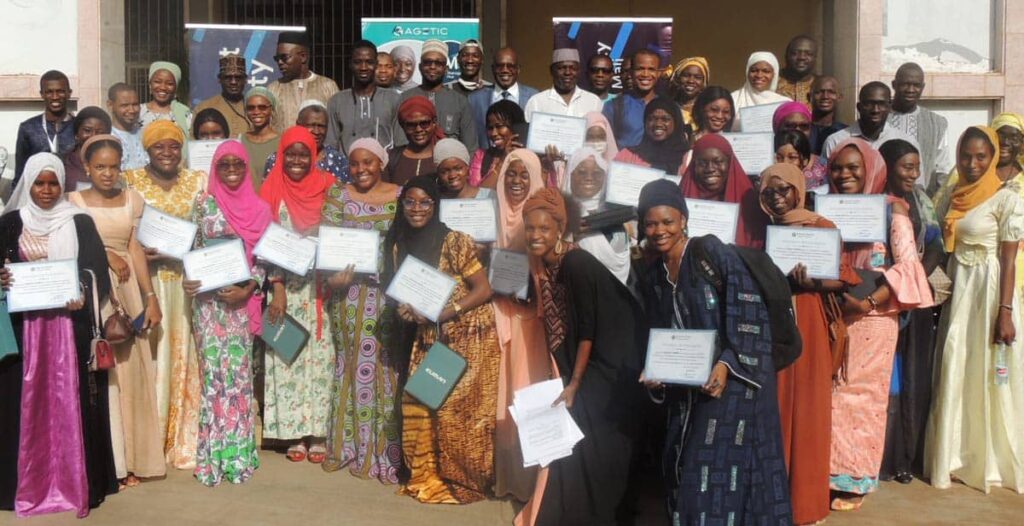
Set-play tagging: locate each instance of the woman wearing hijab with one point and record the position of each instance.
(226, 321)
(600, 137)
(56, 444)
(859, 402)
(297, 397)
(405, 68)
(588, 172)
(171, 189)
(88, 122)
(418, 119)
(689, 78)
(664, 143)
(209, 125)
(452, 161)
(805, 387)
(505, 122)
(363, 430)
(974, 432)
(138, 443)
(723, 460)
(262, 140)
(449, 452)
(715, 174)
(762, 77)
(163, 87)
(594, 332)
(313, 117)
(794, 117)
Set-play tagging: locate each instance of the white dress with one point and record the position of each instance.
(975, 429)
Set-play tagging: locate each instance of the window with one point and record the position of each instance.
(949, 36)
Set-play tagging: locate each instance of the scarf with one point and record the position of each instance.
(420, 104)
(597, 119)
(303, 198)
(667, 154)
(424, 243)
(511, 234)
(965, 195)
(747, 96)
(874, 165)
(554, 303)
(791, 175)
(57, 222)
(1012, 120)
(599, 244)
(785, 110)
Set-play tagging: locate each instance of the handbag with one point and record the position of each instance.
(838, 336)
(118, 328)
(942, 286)
(101, 352)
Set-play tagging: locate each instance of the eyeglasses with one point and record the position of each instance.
(283, 57)
(431, 62)
(231, 166)
(772, 193)
(412, 204)
(413, 125)
(257, 107)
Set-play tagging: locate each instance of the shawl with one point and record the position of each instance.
(303, 198)
(747, 96)
(424, 243)
(667, 154)
(57, 222)
(738, 189)
(965, 196)
(792, 176)
(511, 234)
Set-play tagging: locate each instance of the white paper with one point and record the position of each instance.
(818, 249)
(340, 247)
(713, 217)
(217, 266)
(676, 179)
(169, 235)
(562, 131)
(422, 286)
(754, 151)
(626, 180)
(860, 218)
(39, 285)
(476, 217)
(546, 433)
(757, 119)
(509, 273)
(200, 155)
(681, 357)
(286, 249)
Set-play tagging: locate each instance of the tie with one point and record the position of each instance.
(505, 95)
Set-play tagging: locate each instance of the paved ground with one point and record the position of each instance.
(301, 495)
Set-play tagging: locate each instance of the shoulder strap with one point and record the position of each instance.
(619, 109)
(95, 305)
(704, 266)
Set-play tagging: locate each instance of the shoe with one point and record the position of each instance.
(904, 477)
(317, 453)
(296, 453)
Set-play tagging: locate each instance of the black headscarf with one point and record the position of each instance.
(209, 115)
(660, 192)
(422, 243)
(668, 154)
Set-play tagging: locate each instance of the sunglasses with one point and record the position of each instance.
(412, 125)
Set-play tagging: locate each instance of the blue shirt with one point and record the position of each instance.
(32, 139)
(629, 131)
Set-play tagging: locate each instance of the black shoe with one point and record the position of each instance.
(904, 477)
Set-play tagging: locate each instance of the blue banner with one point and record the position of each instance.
(208, 42)
(389, 33)
(616, 37)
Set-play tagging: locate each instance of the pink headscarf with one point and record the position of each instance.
(787, 109)
(596, 118)
(511, 233)
(247, 214)
(874, 165)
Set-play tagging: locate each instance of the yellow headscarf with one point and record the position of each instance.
(157, 131)
(700, 62)
(1012, 120)
(965, 195)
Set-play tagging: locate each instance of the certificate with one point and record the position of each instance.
(200, 155)
(817, 248)
(680, 357)
(169, 235)
(754, 151)
(626, 180)
(562, 131)
(713, 217)
(509, 273)
(286, 249)
(42, 285)
(756, 119)
(218, 266)
(340, 247)
(860, 218)
(422, 286)
(476, 217)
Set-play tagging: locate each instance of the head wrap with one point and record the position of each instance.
(171, 67)
(371, 145)
(420, 104)
(262, 92)
(448, 148)
(700, 62)
(247, 214)
(549, 200)
(787, 109)
(209, 115)
(303, 198)
(667, 154)
(580, 155)
(1012, 120)
(403, 51)
(794, 177)
(968, 195)
(232, 63)
(747, 95)
(310, 103)
(299, 38)
(97, 138)
(90, 112)
(874, 165)
(159, 130)
(596, 118)
(511, 235)
(473, 43)
(423, 243)
(660, 192)
(738, 189)
(434, 45)
(565, 54)
(57, 221)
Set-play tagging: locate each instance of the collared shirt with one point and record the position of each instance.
(353, 117)
(626, 116)
(887, 133)
(453, 115)
(581, 103)
(135, 155)
(33, 138)
(290, 95)
(513, 94)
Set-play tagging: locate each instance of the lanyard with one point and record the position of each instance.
(56, 135)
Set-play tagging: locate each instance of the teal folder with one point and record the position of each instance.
(287, 338)
(436, 376)
(8, 344)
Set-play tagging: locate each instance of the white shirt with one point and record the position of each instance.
(549, 101)
(888, 133)
(513, 93)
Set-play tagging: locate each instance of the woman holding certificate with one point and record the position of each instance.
(297, 397)
(452, 160)
(116, 212)
(974, 431)
(172, 190)
(735, 413)
(588, 172)
(56, 446)
(313, 116)
(449, 452)
(225, 322)
(894, 281)
(363, 430)
(505, 123)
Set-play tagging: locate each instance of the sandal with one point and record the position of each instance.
(317, 453)
(847, 503)
(296, 453)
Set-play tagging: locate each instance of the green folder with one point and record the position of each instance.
(287, 338)
(436, 376)
(8, 343)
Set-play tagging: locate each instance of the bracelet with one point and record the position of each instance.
(871, 300)
(1006, 306)
(150, 294)
(456, 308)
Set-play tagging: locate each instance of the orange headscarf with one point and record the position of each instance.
(967, 195)
(511, 235)
(794, 177)
(304, 198)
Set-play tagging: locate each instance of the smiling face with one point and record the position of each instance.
(760, 75)
(659, 125)
(91, 126)
(800, 55)
(103, 167)
(847, 171)
(211, 131)
(788, 154)
(692, 81)
(364, 168)
(55, 94)
(433, 67)
(403, 69)
(645, 72)
(517, 182)
(363, 65)
(45, 191)
(825, 94)
(587, 180)
(664, 228)
(873, 107)
(162, 87)
(717, 114)
(564, 75)
(974, 158)
(452, 174)
(711, 169)
(904, 174)
(498, 131)
(165, 157)
(779, 196)
(418, 207)
(419, 128)
(316, 123)
(297, 161)
(231, 170)
(384, 75)
(542, 233)
(125, 109)
(505, 68)
(470, 59)
(259, 111)
(1010, 141)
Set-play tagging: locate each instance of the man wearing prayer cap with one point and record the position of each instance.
(454, 116)
(228, 102)
(297, 82)
(471, 61)
(564, 97)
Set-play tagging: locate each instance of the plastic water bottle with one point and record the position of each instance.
(1002, 376)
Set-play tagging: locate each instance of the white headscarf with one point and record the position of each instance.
(56, 222)
(613, 253)
(747, 96)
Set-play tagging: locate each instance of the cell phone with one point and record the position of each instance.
(139, 322)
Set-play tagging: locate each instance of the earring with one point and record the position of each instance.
(559, 247)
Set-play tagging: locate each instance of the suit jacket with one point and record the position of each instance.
(480, 100)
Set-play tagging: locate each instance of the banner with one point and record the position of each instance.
(389, 33)
(615, 37)
(208, 42)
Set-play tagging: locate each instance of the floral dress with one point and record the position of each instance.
(227, 440)
(364, 428)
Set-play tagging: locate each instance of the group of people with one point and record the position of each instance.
(895, 378)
